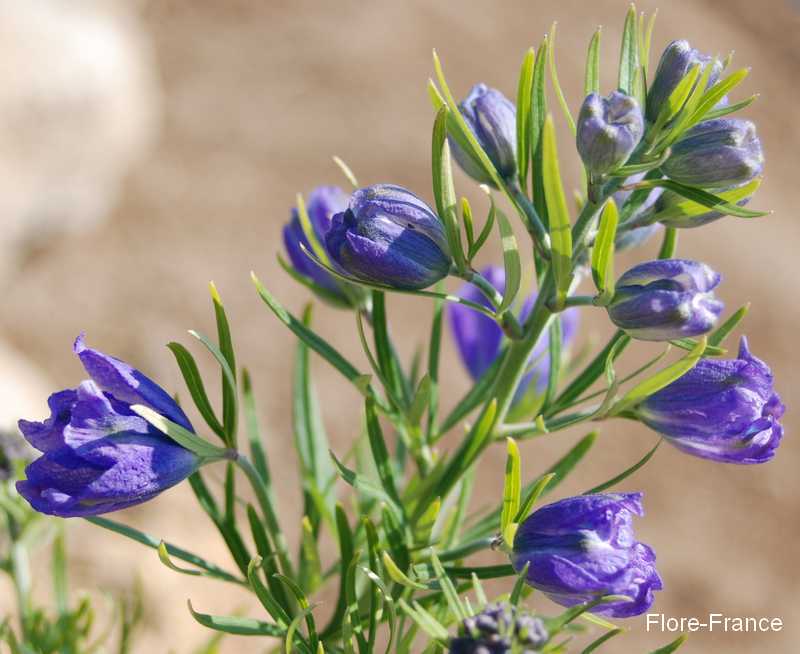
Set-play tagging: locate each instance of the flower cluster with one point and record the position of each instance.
(658, 157)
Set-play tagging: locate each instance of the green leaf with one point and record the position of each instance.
(265, 595)
(560, 229)
(551, 58)
(331, 297)
(389, 364)
(519, 585)
(704, 198)
(629, 54)
(237, 625)
(475, 396)
(485, 232)
(524, 88)
(625, 474)
(603, 252)
(678, 98)
(443, 189)
(267, 556)
(591, 83)
(554, 343)
(365, 486)
(306, 608)
(421, 400)
(731, 108)
(449, 590)
(180, 435)
(512, 487)
(590, 374)
(163, 555)
(461, 131)
(380, 454)
(310, 568)
(661, 379)
(346, 171)
(538, 115)
(398, 576)
(712, 96)
(424, 620)
(671, 647)
(172, 550)
(511, 260)
(534, 491)
(591, 647)
(721, 333)
(689, 344)
(669, 244)
(311, 339)
(229, 392)
(194, 382)
(434, 352)
(691, 208)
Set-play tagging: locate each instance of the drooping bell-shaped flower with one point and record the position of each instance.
(492, 118)
(98, 455)
(716, 154)
(666, 299)
(581, 548)
(608, 131)
(389, 236)
(722, 409)
(322, 203)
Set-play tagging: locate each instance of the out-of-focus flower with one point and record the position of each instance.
(723, 410)
(676, 60)
(323, 202)
(716, 154)
(493, 120)
(98, 455)
(500, 629)
(479, 338)
(389, 236)
(584, 547)
(608, 131)
(665, 299)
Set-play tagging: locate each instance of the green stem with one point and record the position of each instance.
(268, 509)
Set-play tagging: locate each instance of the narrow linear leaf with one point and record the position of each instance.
(591, 83)
(194, 382)
(236, 625)
(721, 333)
(702, 197)
(562, 101)
(625, 474)
(558, 215)
(603, 251)
(511, 261)
(629, 54)
(180, 435)
(595, 644)
(671, 647)
(512, 487)
(524, 88)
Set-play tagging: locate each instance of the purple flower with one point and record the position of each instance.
(676, 60)
(500, 629)
(608, 131)
(323, 202)
(716, 154)
(492, 118)
(389, 236)
(479, 339)
(581, 548)
(665, 299)
(98, 455)
(723, 410)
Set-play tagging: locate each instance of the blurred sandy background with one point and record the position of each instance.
(195, 123)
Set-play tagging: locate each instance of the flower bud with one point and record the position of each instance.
(608, 131)
(322, 203)
(389, 236)
(583, 547)
(665, 299)
(98, 455)
(716, 154)
(722, 410)
(479, 339)
(500, 629)
(676, 61)
(492, 118)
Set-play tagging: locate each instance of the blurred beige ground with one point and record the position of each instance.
(257, 95)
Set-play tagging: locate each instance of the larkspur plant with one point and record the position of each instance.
(657, 159)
